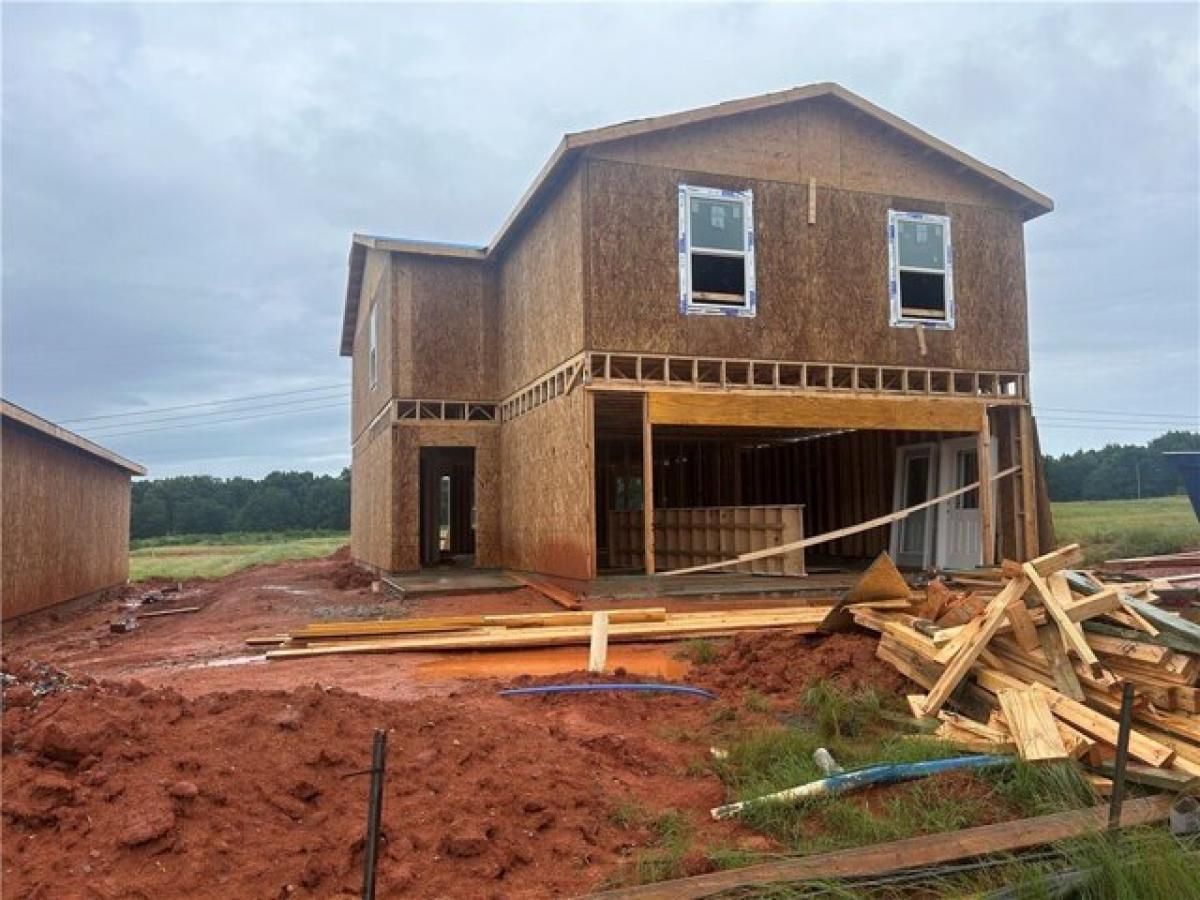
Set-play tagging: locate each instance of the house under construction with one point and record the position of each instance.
(701, 334)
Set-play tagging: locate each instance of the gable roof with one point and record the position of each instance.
(1033, 203)
(56, 432)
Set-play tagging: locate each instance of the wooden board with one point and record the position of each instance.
(966, 656)
(927, 850)
(1032, 725)
(766, 411)
(677, 625)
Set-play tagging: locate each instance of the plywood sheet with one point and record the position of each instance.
(540, 290)
(822, 289)
(546, 509)
(65, 529)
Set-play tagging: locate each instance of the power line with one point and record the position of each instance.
(1092, 426)
(216, 412)
(132, 413)
(1119, 413)
(286, 412)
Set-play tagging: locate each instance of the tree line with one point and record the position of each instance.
(201, 504)
(292, 501)
(1119, 471)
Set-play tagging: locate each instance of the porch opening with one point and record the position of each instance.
(720, 491)
(447, 515)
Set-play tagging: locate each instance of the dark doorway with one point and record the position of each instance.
(447, 506)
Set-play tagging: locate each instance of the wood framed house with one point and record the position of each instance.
(699, 334)
(66, 502)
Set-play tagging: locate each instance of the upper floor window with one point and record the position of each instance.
(920, 264)
(716, 252)
(373, 346)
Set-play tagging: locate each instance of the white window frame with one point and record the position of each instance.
(690, 306)
(373, 346)
(900, 319)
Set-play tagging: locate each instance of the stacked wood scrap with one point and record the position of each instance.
(1037, 659)
(530, 630)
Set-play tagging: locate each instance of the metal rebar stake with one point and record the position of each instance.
(1118, 788)
(374, 812)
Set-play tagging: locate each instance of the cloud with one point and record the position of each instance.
(180, 181)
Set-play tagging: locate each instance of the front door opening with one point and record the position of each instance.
(447, 506)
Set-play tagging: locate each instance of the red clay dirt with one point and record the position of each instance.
(773, 662)
(124, 791)
(172, 761)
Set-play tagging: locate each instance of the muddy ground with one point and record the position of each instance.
(172, 761)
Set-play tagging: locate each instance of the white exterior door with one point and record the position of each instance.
(916, 482)
(959, 531)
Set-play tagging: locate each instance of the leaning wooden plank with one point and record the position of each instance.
(1024, 630)
(912, 853)
(1171, 622)
(962, 662)
(557, 593)
(1061, 670)
(1142, 652)
(839, 533)
(1032, 725)
(1053, 591)
(1076, 714)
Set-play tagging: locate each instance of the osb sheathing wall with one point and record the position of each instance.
(822, 288)
(373, 499)
(445, 329)
(546, 511)
(540, 284)
(409, 439)
(379, 286)
(65, 522)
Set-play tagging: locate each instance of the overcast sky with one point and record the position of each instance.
(180, 183)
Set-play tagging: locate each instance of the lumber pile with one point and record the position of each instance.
(1034, 661)
(496, 632)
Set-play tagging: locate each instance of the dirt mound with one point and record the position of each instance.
(119, 790)
(777, 662)
(349, 577)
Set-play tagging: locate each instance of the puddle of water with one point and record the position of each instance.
(653, 662)
(286, 589)
(226, 662)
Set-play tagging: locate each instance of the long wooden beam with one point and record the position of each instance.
(647, 487)
(912, 853)
(840, 532)
(798, 411)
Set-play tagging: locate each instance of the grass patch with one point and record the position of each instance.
(838, 714)
(698, 651)
(212, 560)
(857, 729)
(234, 537)
(673, 838)
(1113, 529)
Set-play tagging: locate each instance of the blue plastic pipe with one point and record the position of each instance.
(589, 688)
(889, 773)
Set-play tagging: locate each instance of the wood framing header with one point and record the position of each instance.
(792, 411)
(24, 417)
(1032, 203)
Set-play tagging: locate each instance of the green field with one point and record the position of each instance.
(211, 556)
(1113, 529)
